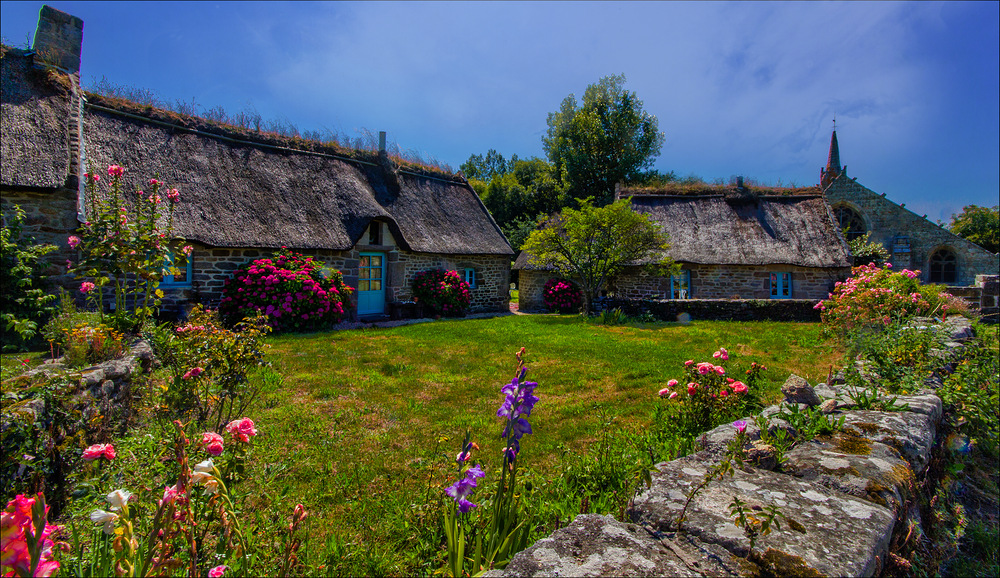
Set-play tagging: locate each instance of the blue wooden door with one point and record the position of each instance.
(371, 284)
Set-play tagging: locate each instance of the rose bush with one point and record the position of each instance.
(877, 296)
(292, 290)
(562, 296)
(706, 395)
(444, 292)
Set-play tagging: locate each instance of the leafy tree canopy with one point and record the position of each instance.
(981, 225)
(484, 168)
(592, 245)
(606, 140)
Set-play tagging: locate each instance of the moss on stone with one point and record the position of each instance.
(777, 563)
(852, 443)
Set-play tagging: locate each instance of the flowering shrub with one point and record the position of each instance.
(193, 525)
(877, 296)
(24, 305)
(444, 292)
(292, 290)
(26, 542)
(210, 365)
(706, 396)
(125, 244)
(90, 344)
(562, 296)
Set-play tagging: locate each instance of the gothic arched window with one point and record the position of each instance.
(850, 222)
(944, 266)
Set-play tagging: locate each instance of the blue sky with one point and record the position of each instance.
(738, 88)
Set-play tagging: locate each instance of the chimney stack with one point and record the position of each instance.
(381, 142)
(58, 39)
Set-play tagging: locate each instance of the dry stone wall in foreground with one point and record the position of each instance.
(850, 492)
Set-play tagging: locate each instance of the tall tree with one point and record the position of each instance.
(593, 244)
(484, 168)
(607, 140)
(981, 225)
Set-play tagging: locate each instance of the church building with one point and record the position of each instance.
(913, 241)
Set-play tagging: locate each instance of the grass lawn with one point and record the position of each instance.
(367, 423)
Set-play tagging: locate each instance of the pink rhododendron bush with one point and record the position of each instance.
(562, 296)
(444, 292)
(292, 290)
(878, 296)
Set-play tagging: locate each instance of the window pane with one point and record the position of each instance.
(363, 285)
(376, 285)
(364, 260)
(376, 261)
(786, 284)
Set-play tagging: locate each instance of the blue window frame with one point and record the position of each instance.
(781, 285)
(177, 272)
(680, 285)
(470, 277)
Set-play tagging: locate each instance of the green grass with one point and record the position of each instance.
(366, 424)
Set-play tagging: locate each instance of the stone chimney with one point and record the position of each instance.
(58, 39)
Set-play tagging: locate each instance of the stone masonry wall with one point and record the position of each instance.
(212, 266)
(885, 219)
(50, 217)
(848, 493)
(708, 282)
(730, 282)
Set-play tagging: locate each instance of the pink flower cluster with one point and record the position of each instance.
(86, 287)
(561, 295)
(289, 289)
(115, 171)
(212, 442)
(708, 393)
(74, 241)
(877, 295)
(242, 429)
(16, 556)
(97, 451)
(444, 292)
(193, 372)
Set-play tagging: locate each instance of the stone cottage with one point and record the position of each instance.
(731, 242)
(913, 241)
(244, 194)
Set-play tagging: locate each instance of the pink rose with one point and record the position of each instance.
(242, 429)
(212, 442)
(692, 387)
(74, 241)
(115, 171)
(193, 372)
(218, 571)
(664, 392)
(97, 451)
(86, 287)
(739, 387)
(672, 383)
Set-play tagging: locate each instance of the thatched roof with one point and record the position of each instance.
(37, 105)
(795, 230)
(241, 193)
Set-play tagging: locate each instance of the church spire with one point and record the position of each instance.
(833, 168)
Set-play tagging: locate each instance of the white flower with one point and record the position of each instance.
(200, 477)
(211, 486)
(106, 518)
(118, 498)
(205, 466)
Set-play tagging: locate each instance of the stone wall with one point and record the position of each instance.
(50, 217)
(707, 282)
(848, 494)
(212, 266)
(716, 309)
(885, 219)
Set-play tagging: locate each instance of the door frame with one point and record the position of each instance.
(381, 305)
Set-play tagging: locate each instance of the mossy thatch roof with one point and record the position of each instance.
(238, 191)
(742, 228)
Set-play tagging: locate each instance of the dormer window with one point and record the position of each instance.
(375, 233)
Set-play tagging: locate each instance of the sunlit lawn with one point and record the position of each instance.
(358, 430)
(365, 427)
